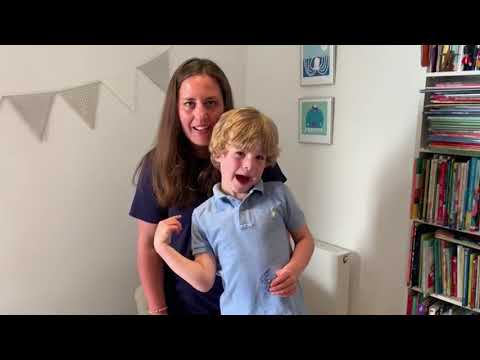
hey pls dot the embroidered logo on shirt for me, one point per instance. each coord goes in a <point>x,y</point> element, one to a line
<point>274,212</point>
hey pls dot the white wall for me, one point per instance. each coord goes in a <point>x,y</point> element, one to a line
<point>67,245</point>
<point>355,193</point>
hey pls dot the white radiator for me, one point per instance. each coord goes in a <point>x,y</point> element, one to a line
<point>325,280</point>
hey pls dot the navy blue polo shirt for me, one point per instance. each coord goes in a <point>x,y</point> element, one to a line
<point>182,298</point>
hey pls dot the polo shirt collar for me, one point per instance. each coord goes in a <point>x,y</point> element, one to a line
<point>220,196</point>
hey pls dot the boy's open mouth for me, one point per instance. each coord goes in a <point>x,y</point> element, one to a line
<point>242,179</point>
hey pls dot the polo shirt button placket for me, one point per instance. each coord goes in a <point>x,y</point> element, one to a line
<point>243,219</point>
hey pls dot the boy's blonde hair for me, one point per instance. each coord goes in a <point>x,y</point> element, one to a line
<point>244,128</point>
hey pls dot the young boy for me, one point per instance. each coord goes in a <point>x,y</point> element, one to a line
<point>243,231</point>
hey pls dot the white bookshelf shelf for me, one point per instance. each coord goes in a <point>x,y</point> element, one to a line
<point>453,73</point>
<point>460,242</point>
<point>469,153</point>
<point>448,299</point>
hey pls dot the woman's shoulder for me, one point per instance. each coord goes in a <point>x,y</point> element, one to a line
<point>275,188</point>
<point>144,205</point>
<point>273,173</point>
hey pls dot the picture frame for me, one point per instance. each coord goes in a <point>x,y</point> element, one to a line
<point>315,116</point>
<point>317,64</point>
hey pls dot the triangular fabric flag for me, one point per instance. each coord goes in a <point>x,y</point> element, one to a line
<point>157,70</point>
<point>34,109</point>
<point>84,100</point>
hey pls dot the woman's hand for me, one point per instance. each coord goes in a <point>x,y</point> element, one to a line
<point>285,284</point>
<point>164,230</point>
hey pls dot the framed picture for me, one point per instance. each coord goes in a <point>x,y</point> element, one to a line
<point>317,64</point>
<point>315,120</point>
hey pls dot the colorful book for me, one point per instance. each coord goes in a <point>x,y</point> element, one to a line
<point>469,193</point>
<point>441,191</point>
<point>448,268</point>
<point>413,234</point>
<point>428,270</point>
<point>409,303</point>
<point>470,278</point>
<point>423,215</point>
<point>477,295</point>
<point>453,291</point>
<point>413,205</point>
<point>437,266</point>
<point>414,304</point>
<point>466,269</point>
<point>474,280</point>
<point>459,272</point>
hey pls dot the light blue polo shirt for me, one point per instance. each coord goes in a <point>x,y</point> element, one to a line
<point>250,240</point>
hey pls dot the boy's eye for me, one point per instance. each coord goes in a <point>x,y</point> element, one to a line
<point>260,157</point>
<point>239,154</point>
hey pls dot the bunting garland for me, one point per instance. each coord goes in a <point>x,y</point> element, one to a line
<point>35,109</point>
<point>152,70</point>
<point>84,100</point>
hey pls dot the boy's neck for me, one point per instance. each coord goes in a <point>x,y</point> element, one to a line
<point>238,196</point>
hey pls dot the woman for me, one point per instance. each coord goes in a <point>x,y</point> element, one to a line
<point>176,176</point>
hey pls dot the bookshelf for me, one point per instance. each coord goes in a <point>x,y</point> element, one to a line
<point>444,255</point>
<point>453,73</point>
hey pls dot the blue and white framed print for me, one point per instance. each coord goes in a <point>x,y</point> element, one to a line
<point>315,120</point>
<point>317,64</point>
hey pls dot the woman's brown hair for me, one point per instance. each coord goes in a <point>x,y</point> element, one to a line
<point>178,177</point>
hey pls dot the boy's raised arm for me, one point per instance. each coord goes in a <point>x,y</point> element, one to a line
<point>200,273</point>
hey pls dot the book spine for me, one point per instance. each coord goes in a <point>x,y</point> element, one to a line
<point>459,272</point>
<point>433,190</point>
<point>475,215</point>
<point>413,233</point>
<point>444,269</point>
<point>437,266</point>
<point>413,205</point>
<point>423,215</point>
<point>425,60</point>
<point>463,180</point>
<point>448,273</point>
<point>466,268</point>
<point>469,203</point>
<point>458,174</point>
<point>460,57</point>
<point>416,259</point>
<point>470,278</point>
<point>454,276</point>
<point>452,212</point>
<point>409,303</point>
<point>441,192</point>
<point>448,195</point>
<point>414,304</point>
<point>474,280</point>
<point>477,296</point>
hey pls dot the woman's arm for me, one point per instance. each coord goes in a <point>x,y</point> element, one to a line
<point>150,268</point>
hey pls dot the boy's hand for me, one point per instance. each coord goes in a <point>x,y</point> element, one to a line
<point>285,284</point>
<point>164,231</point>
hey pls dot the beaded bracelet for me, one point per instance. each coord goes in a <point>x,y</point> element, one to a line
<point>158,311</point>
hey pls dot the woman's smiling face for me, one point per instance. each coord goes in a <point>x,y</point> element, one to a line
<point>200,104</point>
